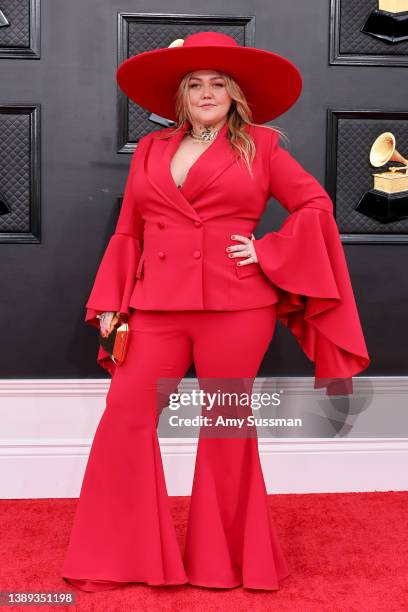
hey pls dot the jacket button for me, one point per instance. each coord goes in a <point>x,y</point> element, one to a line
<point>197,223</point>
<point>160,224</point>
<point>197,254</point>
<point>161,254</point>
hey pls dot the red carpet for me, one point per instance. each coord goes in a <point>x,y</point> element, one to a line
<point>347,552</point>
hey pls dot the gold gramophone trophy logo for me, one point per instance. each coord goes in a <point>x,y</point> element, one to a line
<point>388,22</point>
<point>4,22</point>
<point>388,200</point>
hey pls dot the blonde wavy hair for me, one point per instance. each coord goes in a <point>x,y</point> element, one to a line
<point>238,117</point>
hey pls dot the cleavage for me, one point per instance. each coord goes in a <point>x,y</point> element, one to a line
<point>181,163</point>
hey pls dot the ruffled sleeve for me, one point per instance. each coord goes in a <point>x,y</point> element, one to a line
<point>115,277</point>
<point>306,263</point>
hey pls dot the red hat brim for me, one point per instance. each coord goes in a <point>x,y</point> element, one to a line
<point>270,82</point>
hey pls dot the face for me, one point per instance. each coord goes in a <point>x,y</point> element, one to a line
<point>209,100</point>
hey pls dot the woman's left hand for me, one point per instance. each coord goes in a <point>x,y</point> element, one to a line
<point>245,249</point>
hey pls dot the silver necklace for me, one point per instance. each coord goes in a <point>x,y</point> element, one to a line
<point>206,135</point>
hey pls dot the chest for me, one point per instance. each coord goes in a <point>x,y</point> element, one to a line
<point>184,158</point>
<point>215,181</point>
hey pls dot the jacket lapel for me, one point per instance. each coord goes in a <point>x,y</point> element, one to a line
<point>207,168</point>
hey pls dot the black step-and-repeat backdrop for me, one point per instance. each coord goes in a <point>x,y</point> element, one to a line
<point>67,133</point>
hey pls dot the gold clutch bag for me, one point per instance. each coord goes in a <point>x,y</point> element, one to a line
<point>116,343</point>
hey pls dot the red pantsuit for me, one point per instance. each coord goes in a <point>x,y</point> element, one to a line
<point>166,267</point>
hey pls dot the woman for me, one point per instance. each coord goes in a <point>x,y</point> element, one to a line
<point>185,270</point>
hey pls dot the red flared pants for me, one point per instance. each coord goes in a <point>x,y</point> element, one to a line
<point>123,530</point>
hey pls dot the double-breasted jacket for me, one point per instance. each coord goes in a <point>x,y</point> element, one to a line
<point>168,251</point>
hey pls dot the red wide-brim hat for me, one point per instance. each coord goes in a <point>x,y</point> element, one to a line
<point>271,83</point>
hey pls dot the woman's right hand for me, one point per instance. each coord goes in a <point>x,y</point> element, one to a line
<point>107,321</point>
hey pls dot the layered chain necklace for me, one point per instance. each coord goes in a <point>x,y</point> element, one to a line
<point>206,134</point>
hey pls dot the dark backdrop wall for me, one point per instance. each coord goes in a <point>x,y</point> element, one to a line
<point>44,286</point>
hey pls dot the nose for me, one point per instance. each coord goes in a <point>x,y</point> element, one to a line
<point>207,91</point>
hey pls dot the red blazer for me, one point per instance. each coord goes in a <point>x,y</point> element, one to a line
<point>168,249</point>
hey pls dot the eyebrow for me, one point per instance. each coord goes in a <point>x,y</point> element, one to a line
<point>200,79</point>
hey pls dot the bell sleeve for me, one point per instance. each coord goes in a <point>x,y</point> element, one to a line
<point>305,262</point>
<point>115,277</point>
